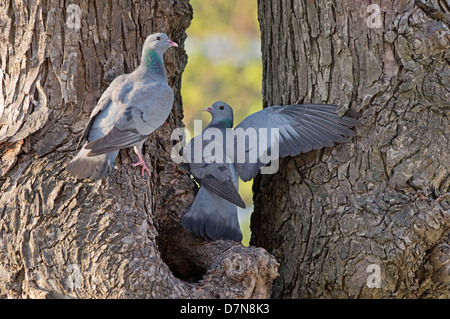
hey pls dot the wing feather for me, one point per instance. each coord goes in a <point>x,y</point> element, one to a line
<point>302,128</point>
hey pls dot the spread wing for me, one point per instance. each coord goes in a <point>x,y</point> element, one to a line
<point>301,128</point>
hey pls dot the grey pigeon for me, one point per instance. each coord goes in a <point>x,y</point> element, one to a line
<point>131,108</point>
<point>301,127</point>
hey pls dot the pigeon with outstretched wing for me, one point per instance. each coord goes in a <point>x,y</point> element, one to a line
<point>299,128</point>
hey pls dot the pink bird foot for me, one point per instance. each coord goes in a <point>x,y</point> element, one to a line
<point>141,162</point>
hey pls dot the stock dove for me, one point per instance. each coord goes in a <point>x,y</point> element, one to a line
<point>291,129</point>
<point>131,108</point>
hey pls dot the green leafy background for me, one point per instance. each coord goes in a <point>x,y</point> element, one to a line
<point>224,64</point>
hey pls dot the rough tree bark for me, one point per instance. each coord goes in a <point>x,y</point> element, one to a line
<point>374,208</point>
<point>119,237</point>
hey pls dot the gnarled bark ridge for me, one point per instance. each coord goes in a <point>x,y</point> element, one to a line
<point>368,218</point>
<point>115,238</point>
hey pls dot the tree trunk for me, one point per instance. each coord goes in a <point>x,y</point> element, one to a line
<point>118,237</point>
<point>368,218</point>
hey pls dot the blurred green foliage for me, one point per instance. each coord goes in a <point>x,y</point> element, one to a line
<point>224,63</point>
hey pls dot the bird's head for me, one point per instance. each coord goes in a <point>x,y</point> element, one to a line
<point>221,112</point>
<point>158,42</point>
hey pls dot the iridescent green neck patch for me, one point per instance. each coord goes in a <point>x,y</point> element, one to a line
<point>153,62</point>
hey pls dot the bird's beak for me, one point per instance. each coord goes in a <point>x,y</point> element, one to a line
<point>172,43</point>
<point>208,109</point>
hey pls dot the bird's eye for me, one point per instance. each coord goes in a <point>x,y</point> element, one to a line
<point>158,38</point>
<point>221,107</point>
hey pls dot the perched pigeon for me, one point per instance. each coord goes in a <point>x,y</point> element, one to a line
<point>216,166</point>
<point>131,108</point>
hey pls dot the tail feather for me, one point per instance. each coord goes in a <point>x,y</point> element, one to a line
<point>93,167</point>
<point>212,217</point>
